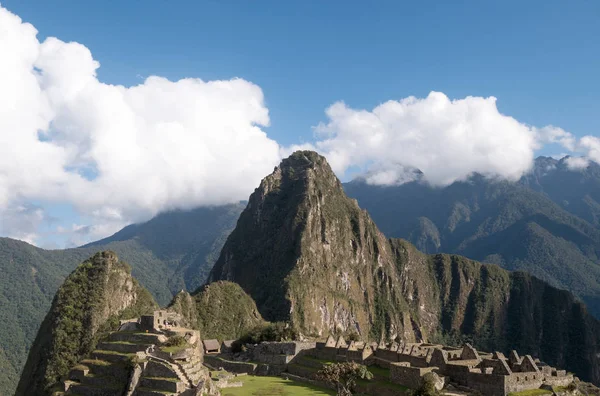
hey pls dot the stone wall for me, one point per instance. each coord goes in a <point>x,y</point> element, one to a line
<point>231,366</point>
<point>416,361</point>
<point>563,380</point>
<point>157,369</point>
<point>488,384</point>
<point>411,377</point>
<point>386,354</point>
<point>518,382</point>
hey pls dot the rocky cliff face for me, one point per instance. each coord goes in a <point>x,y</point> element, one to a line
<point>308,254</point>
<point>89,303</point>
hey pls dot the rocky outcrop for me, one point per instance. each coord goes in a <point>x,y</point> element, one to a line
<point>308,254</point>
<point>91,301</point>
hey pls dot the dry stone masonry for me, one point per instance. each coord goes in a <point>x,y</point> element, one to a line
<point>140,356</point>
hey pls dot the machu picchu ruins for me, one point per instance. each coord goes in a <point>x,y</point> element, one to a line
<point>148,356</point>
<point>465,369</point>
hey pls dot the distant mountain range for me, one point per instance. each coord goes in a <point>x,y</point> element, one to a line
<point>546,224</point>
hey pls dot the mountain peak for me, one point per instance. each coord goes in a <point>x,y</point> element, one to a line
<point>302,166</point>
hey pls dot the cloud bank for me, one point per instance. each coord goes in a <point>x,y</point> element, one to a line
<point>115,152</point>
<point>122,154</point>
<point>448,140</point>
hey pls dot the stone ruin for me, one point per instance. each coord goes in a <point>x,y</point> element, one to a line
<point>137,360</point>
<point>490,374</point>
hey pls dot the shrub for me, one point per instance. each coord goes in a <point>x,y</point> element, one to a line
<point>343,376</point>
<point>279,331</point>
<point>175,341</point>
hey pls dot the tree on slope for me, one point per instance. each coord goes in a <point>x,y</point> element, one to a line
<point>343,376</point>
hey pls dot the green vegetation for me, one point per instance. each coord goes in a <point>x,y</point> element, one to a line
<point>81,314</point>
<point>171,252</point>
<point>225,311</point>
<point>274,386</point>
<point>344,376</point>
<point>531,392</point>
<point>531,226</point>
<point>427,388</point>
<point>269,332</point>
<point>175,344</point>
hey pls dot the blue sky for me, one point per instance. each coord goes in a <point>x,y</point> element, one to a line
<point>540,59</point>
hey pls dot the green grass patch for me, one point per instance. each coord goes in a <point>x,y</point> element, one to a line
<point>175,348</point>
<point>96,362</point>
<point>314,359</point>
<point>379,373</point>
<point>273,386</point>
<point>170,379</point>
<point>531,392</point>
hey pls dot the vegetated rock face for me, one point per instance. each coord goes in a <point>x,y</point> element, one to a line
<point>545,224</point>
<point>225,311</point>
<point>89,303</point>
<point>308,254</point>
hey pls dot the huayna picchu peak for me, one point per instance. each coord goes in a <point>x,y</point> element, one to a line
<point>309,255</point>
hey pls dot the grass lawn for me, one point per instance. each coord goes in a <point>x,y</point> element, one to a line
<point>273,386</point>
<point>531,392</point>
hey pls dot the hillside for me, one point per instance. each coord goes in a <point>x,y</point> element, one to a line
<point>308,254</point>
<point>577,191</point>
<point>89,303</point>
<point>181,247</point>
<point>225,311</point>
<point>509,224</point>
<point>171,252</point>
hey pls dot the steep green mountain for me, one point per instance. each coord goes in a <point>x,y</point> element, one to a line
<point>509,224</point>
<point>306,253</point>
<point>30,277</point>
<point>225,311</point>
<point>90,302</point>
<point>171,252</point>
<point>577,191</point>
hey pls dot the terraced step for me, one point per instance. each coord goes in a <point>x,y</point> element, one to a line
<point>152,392</point>
<point>99,367</point>
<point>137,337</point>
<point>111,356</point>
<point>162,384</point>
<point>123,346</point>
<point>99,381</point>
<point>91,390</point>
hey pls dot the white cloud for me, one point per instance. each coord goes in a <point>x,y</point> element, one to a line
<point>22,221</point>
<point>446,139</point>
<point>121,153</point>
<point>577,163</point>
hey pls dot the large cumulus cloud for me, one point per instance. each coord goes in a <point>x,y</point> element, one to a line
<point>115,152</point>
<point>448,140</point>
